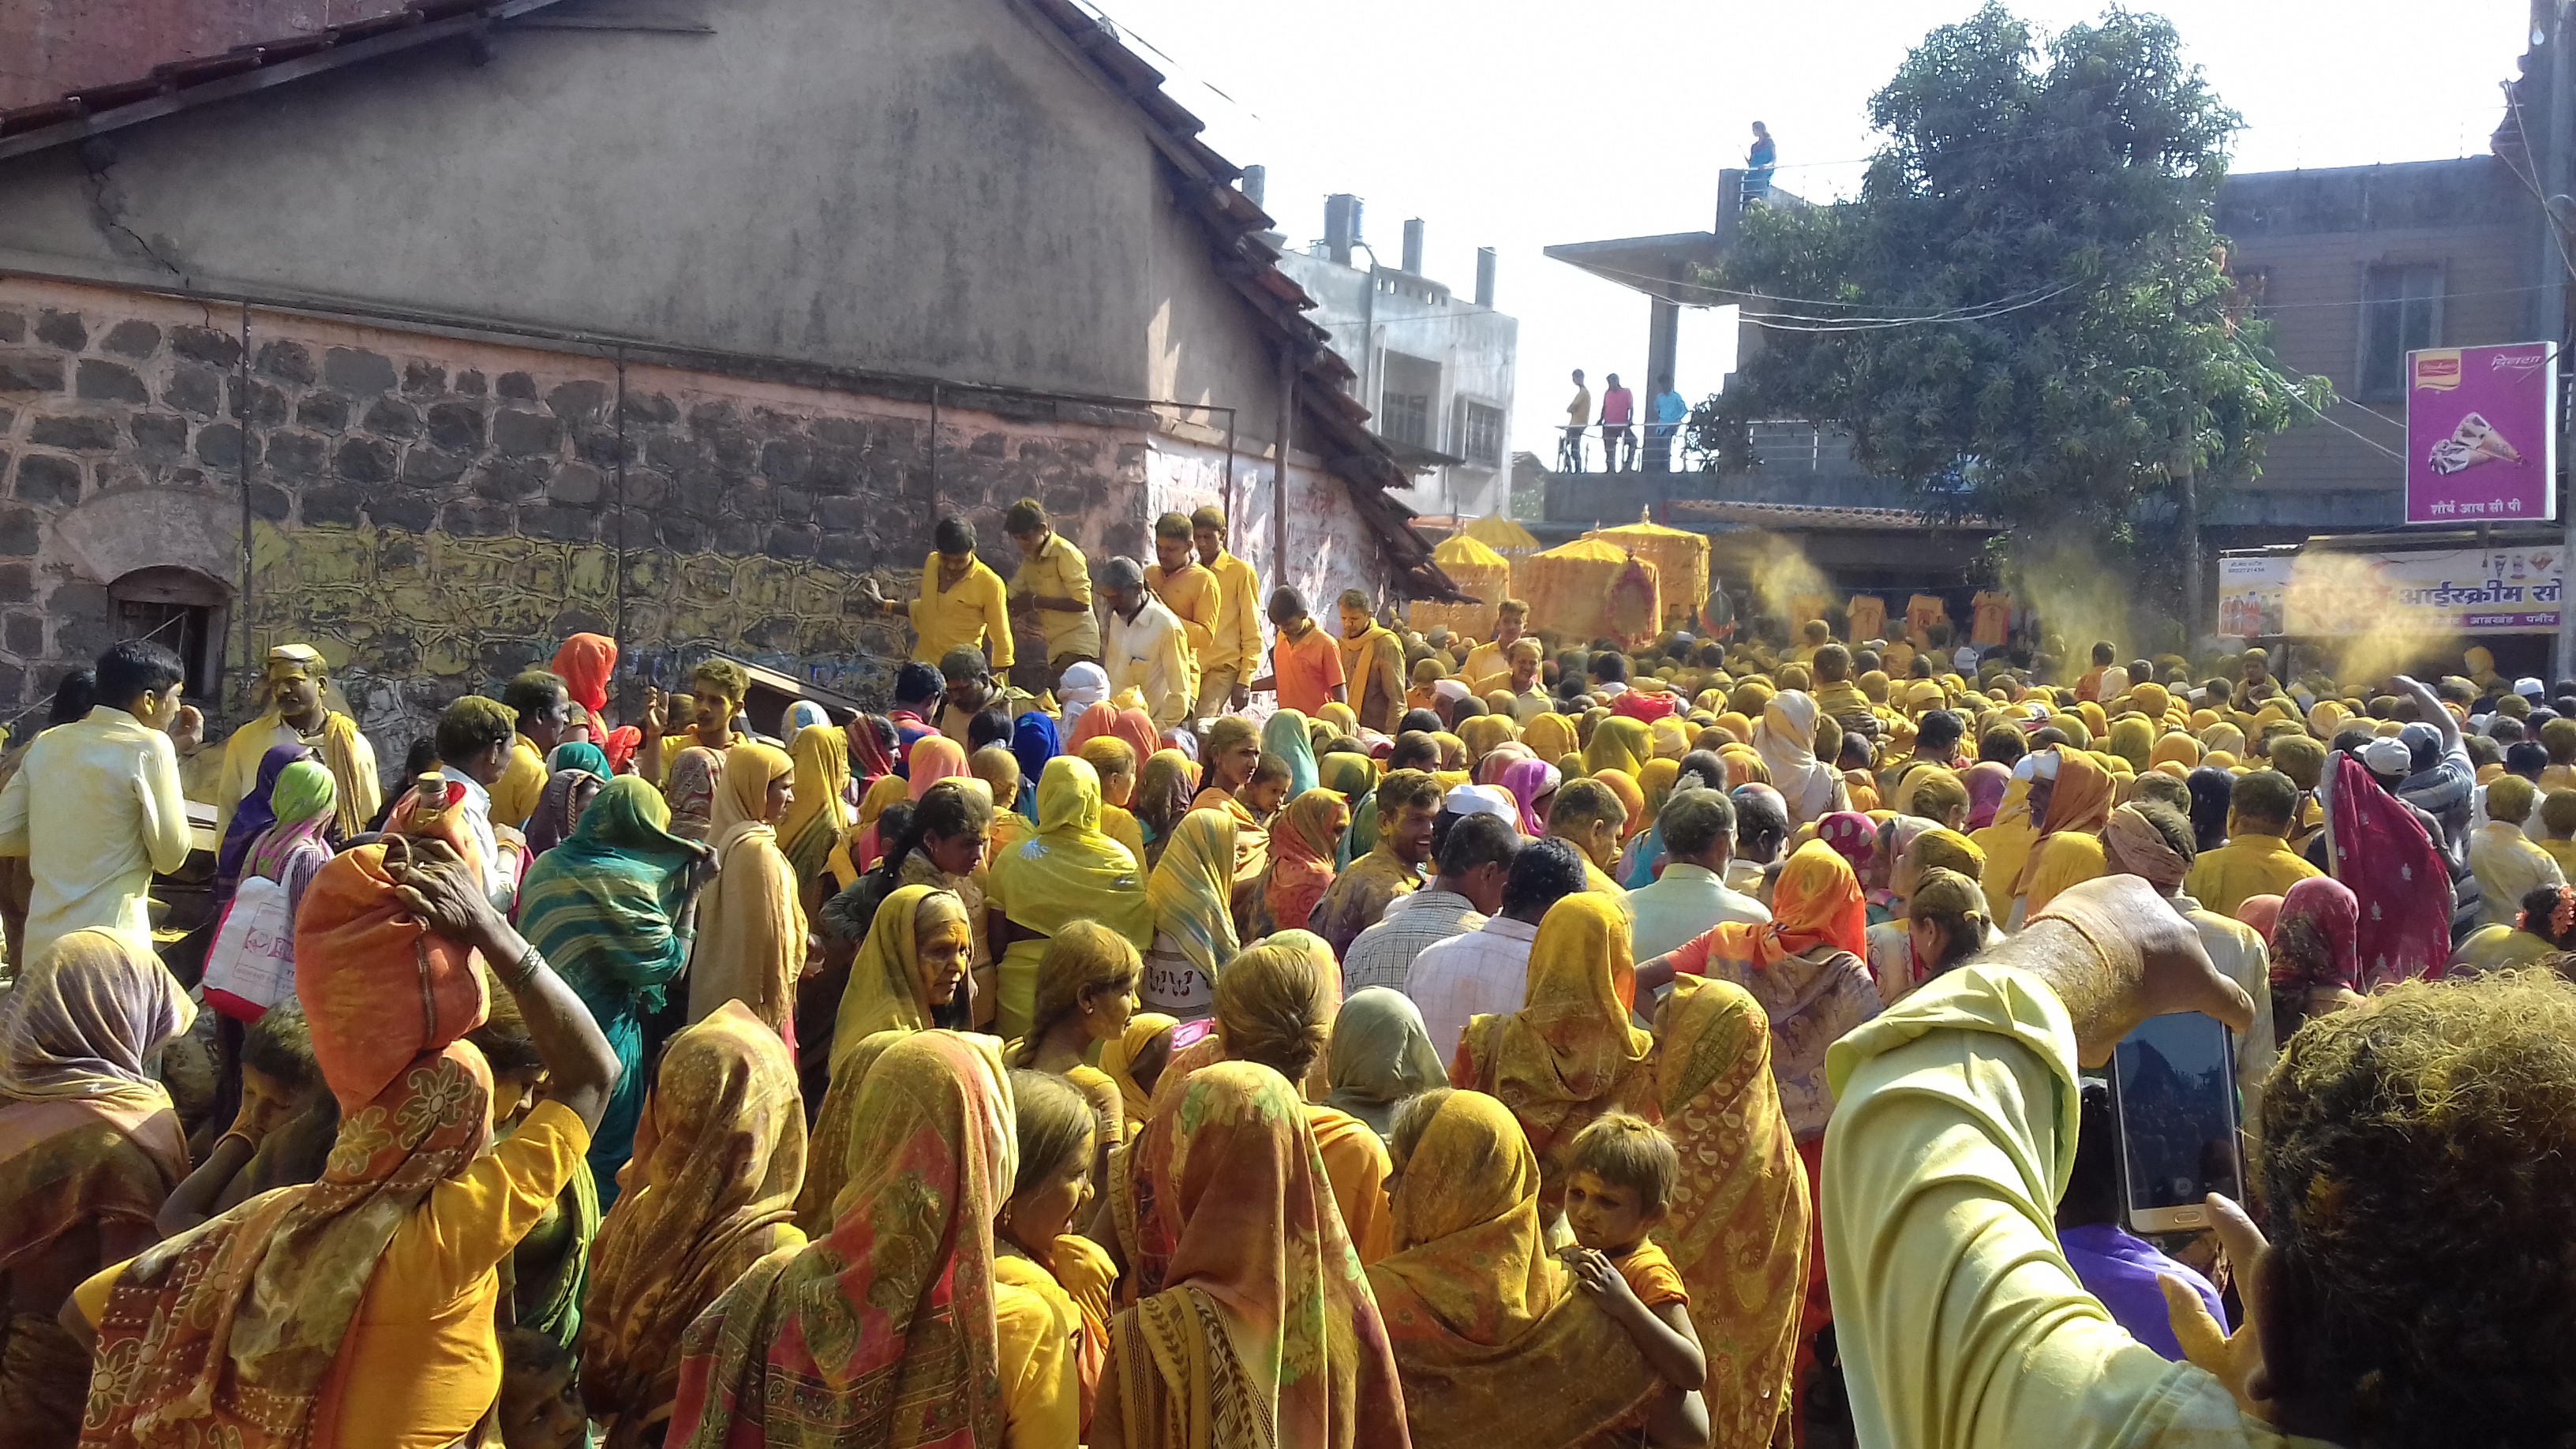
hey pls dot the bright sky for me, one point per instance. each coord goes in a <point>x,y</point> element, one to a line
<point>1516,125</point>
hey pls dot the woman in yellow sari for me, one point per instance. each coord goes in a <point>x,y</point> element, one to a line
<point>1135,1062</point>
<point>1619,743</point>
<point>1114,761</point>
<point>711,1190</point>
<point>894,1329</point>
<point>1065,871</point>
<point>1492,1342</point>
<point>1163,789</point>
<point>1191,892</point>
<point>1550,736</point>
<point>1737,1225</point>
<point>818,817</point>
<point>1256,1332</point>
<point>751,930</point>
<point>1568,1055</point>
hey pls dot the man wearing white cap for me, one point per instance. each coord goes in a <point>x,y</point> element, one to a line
<point>298,687</point>
<point>1472,863</point>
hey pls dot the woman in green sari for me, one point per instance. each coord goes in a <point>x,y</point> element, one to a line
<point>605,908</point>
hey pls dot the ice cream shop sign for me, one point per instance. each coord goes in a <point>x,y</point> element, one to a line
<point>2482,434</point>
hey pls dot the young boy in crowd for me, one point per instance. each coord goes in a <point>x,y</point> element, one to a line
<point>1622,1181</point>
<point>1268,788</point>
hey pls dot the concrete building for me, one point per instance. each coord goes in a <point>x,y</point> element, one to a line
<point>434,335</point>
<point>1434,368</point>
<point>2353,267</point>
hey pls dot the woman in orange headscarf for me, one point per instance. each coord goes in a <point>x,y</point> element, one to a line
<point>1303,841</point>
<point>1493,1343</point>
<point>358,1309</point>
<point>751,928</point>
<point>1256,1329</point>
<point>585,664</point>
<point>1738,1223</point>
<point>1569,1054</point>
<point>2078,800</point>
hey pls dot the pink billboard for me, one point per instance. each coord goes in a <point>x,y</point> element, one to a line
<point>2482,434</point>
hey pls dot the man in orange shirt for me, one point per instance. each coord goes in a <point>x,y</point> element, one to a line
<point>1186,589</point>
<point>1305,662</point>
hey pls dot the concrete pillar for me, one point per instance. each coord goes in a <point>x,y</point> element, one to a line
<point>1413,246</point>
<point>1484,276</point>
<point>1663,340</point>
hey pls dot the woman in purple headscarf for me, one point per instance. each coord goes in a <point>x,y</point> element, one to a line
<point>252,816</point>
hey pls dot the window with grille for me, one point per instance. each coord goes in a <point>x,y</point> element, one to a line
<point>1480,433</point>
<point>2401,311</point>
<point>1411,386</point>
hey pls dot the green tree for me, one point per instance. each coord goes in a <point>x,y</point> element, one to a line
<point>2025,314</point>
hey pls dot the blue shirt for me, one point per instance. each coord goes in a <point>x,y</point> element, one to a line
<point>1669,407</point>
<point>2122,1272</point>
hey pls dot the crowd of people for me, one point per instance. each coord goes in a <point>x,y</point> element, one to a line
<point>1370,1039</point>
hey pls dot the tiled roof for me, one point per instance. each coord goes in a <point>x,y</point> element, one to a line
<point>1202,181</point>
<point>1817,516</point>
<point>179,84</point>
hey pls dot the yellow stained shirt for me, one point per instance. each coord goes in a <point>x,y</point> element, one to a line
<point>1040,1338</point>
<point>1960,1324</point>
<point>2247,865</point>
<point>1373,673</point>
<point>1191,595</point>
<point>521,786</point>
<point>1060,572</point>
<point>2561,851</point>
<point>422,1361</point>
<point>974,614</point>
<point>1236,637</point>
<point>2508,867</point>
<point>1120,824</point>
<point>1488,668</point>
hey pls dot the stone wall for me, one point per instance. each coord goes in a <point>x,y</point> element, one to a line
<point>435,513</point>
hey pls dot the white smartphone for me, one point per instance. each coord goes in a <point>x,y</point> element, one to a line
<point>2173,1085</point>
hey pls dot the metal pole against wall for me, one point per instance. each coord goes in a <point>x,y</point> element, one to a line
<point>2553,285</point>
<point>241,426</point>
<point>934,453</point>
<point>1279,474</point>
<point>618,561</point>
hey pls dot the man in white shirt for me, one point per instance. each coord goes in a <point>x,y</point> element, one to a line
<point>1486,971</point>
<point>1145,647</point>
<point>1473,863</point>
<point>1691,895</point>
<point>1761,832</point>
<point>96,808</point>
<point>474,742</point>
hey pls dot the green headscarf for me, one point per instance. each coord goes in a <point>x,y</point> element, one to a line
<point>303,790</point>
<point>1287,737</point>
<point>580,755</point>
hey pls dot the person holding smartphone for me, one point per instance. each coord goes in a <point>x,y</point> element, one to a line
<point>2433,1112</point>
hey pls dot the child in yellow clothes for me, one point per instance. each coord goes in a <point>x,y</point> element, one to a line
<point>1622,1178</point>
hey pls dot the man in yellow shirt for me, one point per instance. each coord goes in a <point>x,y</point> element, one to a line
<point>962,602</point>
<point>1372,665</point>
<point>539,700</point>
<point>1489,665</point>
<point>1186,589</point>
<point>297,684</point>
<point>1051,593</point>
<point>2257,859</point>
<point>1233,655</point>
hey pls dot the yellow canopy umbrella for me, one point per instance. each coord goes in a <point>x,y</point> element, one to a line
<point>1478,571</point>
<point>1502,535</point>
<point>1589,589</point>
<point>1680,559</point>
